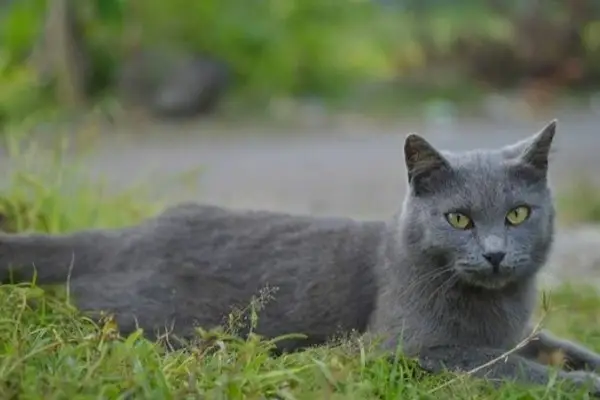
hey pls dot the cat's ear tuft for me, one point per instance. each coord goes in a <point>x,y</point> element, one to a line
<point>537,152</point>
<point>423,161</point>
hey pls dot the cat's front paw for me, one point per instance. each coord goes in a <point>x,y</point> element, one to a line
<point>585,380</point>
<point>592,362</point>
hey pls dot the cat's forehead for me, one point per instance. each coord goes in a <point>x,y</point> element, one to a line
<point>477,162</point>
<point>481,180</point>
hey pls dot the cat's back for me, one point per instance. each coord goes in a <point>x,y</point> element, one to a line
<point>226,223</point>
<point>258,242</point>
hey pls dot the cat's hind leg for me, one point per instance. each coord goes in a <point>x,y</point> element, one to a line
<point>549,349</point>
<point>495,366</point>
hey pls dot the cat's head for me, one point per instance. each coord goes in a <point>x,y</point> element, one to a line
<point>487,215</point>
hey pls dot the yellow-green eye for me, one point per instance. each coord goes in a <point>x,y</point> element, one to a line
<point>459,221</point>
<point>518,215</point>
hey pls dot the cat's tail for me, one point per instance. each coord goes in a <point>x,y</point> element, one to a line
<point>50,259</point>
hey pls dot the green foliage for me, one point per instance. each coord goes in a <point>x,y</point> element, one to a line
<point>591,42</point>
<point>281,46</point>
<point>43,194</point>
<point>305,47</point>
<point>21,94</point>
<point>272,47</point>
<point>20,26</point>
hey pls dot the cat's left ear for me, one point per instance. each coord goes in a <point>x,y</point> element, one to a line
<point>535,151</point>
<point>423,164</point>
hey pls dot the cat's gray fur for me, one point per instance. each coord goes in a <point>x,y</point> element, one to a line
<point>414,280</point>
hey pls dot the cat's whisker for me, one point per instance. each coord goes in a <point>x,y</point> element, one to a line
<point>431,286</point>
<point>425,284</point>
<point>429,276</point>
<point>443,288</point>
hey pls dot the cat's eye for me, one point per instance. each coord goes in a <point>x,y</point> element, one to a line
<point>459,220</point>
<point>518,215</point>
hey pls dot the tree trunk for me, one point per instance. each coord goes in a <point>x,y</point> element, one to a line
<point>60,56</point>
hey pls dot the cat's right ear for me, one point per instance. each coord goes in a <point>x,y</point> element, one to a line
<point>423,163</point>
<point>531,155</point>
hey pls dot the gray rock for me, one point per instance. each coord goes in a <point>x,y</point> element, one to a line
<point>171,84</point>
<point>140,75</point>
<point>193,87</point>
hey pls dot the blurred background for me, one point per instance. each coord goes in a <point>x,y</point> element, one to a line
<point>300,104</point>
<point>303,105</point>
<point>394,57</point>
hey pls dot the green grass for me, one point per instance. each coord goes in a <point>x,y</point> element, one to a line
<point>580,202</point>
<point>50,351</point>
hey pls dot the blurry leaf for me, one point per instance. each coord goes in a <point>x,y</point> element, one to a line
<point>109,9</point>
<point>20,26</point>
<point>591,36</point>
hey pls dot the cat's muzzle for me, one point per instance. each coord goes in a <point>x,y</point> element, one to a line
<point>488,276</point>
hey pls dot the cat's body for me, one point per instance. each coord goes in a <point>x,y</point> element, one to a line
<point>193,264</point>
<point>451,278</point>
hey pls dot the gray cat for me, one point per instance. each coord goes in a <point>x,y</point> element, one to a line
<point>451,278</point>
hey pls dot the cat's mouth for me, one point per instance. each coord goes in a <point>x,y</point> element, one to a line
<point>487,278</point>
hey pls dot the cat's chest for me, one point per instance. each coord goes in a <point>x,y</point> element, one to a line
<point>472,321</point>
<point>488,322</point>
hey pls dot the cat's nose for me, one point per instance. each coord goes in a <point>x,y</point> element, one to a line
<point>495,258</point>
